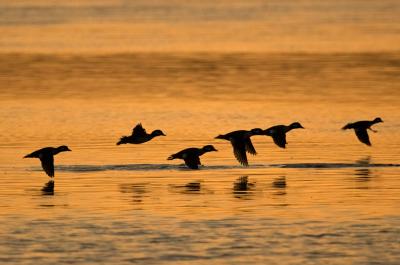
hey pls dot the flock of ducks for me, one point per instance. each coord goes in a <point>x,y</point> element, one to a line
<point>240,141</point>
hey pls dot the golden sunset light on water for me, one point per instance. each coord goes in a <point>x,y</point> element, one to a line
<point>211,132</point>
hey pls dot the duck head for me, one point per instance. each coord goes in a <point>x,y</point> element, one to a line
<point>376,120</point>
<point>256,131</point>
<point>63,148</point>
<point>296,125</point>
<point>157,133</point>
<point>209,148</point>
<point>222,136</point>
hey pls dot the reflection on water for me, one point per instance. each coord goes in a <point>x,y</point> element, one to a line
<point>48,188</point>
<point>330,78</point>
<point>363,174</point>
<point>279,184</point>
<point>188,188</point>
<point>193,186</point>
<point>243,188</point>
<point>365,161</point>
<point>137,190</point>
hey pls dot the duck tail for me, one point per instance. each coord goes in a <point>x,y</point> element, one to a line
<point>347,126</point>
<point>122,140</point>
<point>28,156</point>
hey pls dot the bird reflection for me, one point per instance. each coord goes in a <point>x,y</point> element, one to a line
<point>48,188</point>
<point>363,174</point>
<point>137,189</point>
<point>190,187</point>
<point>242,188</point>
<point>364,161</point>
<point>279,184</point>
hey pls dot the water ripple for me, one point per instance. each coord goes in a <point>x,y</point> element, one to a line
<point>156,167</point>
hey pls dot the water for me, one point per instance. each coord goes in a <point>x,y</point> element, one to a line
<point>327,198</point>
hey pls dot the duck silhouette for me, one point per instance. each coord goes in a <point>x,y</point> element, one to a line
<point>191,156</point>
<point>241,143</point>
<point>361,127</point>
<point>139,136</point>
<point>278,133</point>
<point>46,156</point>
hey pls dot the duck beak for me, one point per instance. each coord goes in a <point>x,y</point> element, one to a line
<point>69,149</point>
<point>163,134</point>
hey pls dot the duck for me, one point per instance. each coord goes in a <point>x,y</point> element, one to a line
<point>241,143</point>
<point>139,136</point>
<point>361,127</point>
<point>278,133</point>
<point>191,156</point>
<point>46,156</point>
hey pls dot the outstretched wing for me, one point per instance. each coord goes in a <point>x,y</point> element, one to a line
<point>48,164</point>
<point>139,130</point>
<point>279,139</point>
<point>249,147</point>
<point>362,135</point>
<point>239,150</point>
<point>192,161</point>
<point>37,153</point>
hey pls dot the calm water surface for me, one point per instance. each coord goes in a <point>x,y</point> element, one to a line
<point>325,199</point>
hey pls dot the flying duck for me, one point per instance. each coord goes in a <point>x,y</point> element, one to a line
<point>241,143</point>
<point>278,133</point>
<point>46,156</point>
<point>360,128</point>
<point>191,156</point>
<point>139,136</point>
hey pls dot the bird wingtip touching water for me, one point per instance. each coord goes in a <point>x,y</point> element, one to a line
<point>191,156</point>
<point>241,143</point>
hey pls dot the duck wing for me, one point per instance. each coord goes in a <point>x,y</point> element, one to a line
<point>249,146</point>
<point>33,154</point>
<point>363,136</point>
<point>48,164</point>
<point>139,131</point>
<point>38,153</point>
<point>279,139</point>
<point>239,150</point>
<point>192,161</point>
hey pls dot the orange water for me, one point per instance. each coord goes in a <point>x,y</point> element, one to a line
<point>326,197</point>
<point>84,73</point>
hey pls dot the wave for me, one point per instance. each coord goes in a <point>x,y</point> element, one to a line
<point>156,167</point>
<point>333,165</point>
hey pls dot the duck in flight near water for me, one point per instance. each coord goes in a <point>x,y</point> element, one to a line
<point>278,133</point>
<point>46,156</point>
<point>360,128</point>
<point>241,143</point>
<point>139,136</point>
<point>191,156</point>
